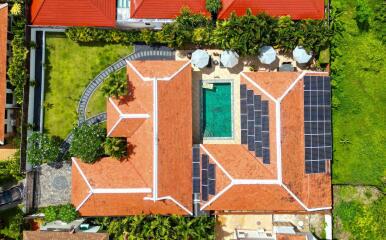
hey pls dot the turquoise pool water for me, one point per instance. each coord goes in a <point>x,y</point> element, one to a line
<point>216,119</point>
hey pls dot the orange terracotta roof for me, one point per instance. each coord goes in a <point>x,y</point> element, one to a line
<point>297,9</point>
<point>3,65</point>
<point>313,189</point>
<point>164,9</point>
<point>283,236</point>
<point>47,235</point>
<point>109,177</point>
<point>256,198</point>
<point>95,13</point>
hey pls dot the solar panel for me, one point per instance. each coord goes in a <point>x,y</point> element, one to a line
<point>317,123</point>
<point>212,171</point>
<point>265,123</point>
<point>266,158</point>
<point>244,137</point>
<point>251,143</point>
<point>196,185</point>
<point>212,187</point>
<point>257,102</point>
<point>251,128</point>
<point>196,154</point>
<point>204,177</point>
<point>243,106</point>
<point>249,97</point>
<point>196,169</point>
<point>251,112</point>
<point>204,160</point>
<point>243,91</point>
<point>243,121</point>
<point>259,149</point>
<point>204,193</point>
<point>264,107</point>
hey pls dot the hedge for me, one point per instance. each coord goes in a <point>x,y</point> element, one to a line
<point>244,34</point>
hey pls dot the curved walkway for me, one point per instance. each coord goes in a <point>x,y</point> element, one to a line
<point>97,81</point>
<point>141,52</point>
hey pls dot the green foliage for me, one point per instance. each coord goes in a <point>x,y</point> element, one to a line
<point>16,66</point>
<point>10,169</point>
<point>245,34</point>
<point>115,147</point>
<point>363,14</point>
<point>335,102</point>
<point>42,149</point>
<point>158,227</point>
<point>180,31</point>
<point>11,222</point>
<point>359,77</point>
<point>362,221</point>
<point>380,21</point>
<point>213,6</point>
<point>115,85</point>
<point>66,213</point>
<point>87,143</point>
<point>324,56</point>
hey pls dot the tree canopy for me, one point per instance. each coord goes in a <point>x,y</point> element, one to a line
<point>42,149</point>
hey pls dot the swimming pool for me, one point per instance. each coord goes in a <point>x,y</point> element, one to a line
<point>216,111</point>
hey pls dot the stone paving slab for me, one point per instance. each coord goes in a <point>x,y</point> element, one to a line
<point>53,185</point>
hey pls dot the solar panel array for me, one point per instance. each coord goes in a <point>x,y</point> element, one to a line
<point>317,123</point>
<point>204,183</point>
<point>254,123</point>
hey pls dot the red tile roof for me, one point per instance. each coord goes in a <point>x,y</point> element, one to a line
<point>109,177</point>
<point>3,65</point>
<point>297,9</point>
<point>164,9</point>
<point>97,13</point>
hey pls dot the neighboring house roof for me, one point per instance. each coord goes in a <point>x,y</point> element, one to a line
<point>97,13</point>
<point>3,66</point>
<point>158,104</point>
<point>47,235</point>
<point>155,9</point>
<point>297,9</point>
<point>244,183</point>
<point>283,236</point>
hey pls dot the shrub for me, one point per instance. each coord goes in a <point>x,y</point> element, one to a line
<point>115,147</point>
<point>380,21</point>
<point>201,36</point>
<point>11,223</point>
<point>16,9</point>
<point>115,85</point>
<point>213,6</point>
<point>335,102</point>
<point>42,149</point>
<point>87,143</point>
<point>10,169</point>
<point>284,34</point>
<point>66,213</point>
<point>50,213</point>
<point>363,14</point>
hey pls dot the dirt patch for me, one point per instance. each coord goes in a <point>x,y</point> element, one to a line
<point>363,194</point>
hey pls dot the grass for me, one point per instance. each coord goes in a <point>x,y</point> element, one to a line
<point>359,74</point>
<point>69,69</point>
<point>358,218</point>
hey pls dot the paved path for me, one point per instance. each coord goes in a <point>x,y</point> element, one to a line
<point>141,52</point>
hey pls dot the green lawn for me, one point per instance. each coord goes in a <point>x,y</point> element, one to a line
<point>69,69</point>
<point>359,71</point>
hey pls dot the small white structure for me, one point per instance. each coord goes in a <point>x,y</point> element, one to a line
<point>200,58</point>
<point>229,59</point>
<point>267,55</point>
<point>300,55</point>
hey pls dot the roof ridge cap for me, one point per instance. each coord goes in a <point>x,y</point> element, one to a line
<point>136,9</point>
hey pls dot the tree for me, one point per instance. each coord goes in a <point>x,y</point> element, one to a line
<point>115,85</point>
<point>42,149</point>
<point>87,143</point>
<point>66,213</point>
<point>115,147</point>
<point>363,14</point>
<point>285,34</point>
<point>213,6</point>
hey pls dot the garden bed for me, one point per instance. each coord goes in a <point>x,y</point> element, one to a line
<point>69,68</point>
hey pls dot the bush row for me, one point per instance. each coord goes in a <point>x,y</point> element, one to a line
<point>16,66</point>
<point>244,34</point>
